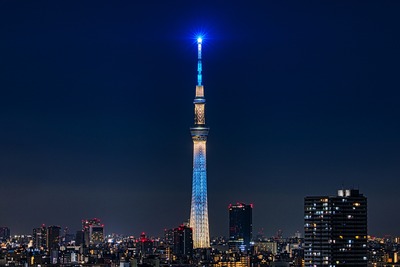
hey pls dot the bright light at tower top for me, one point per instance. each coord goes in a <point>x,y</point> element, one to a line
<point>199,39</point>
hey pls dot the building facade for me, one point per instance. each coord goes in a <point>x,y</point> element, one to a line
<point>93,232</point>
<point>199,205</point>
<point>39,237</point>
<point>335,229</point>
<point>183,242</point>
<point>53,237</point>
<point>4,233</point>
<point>240,226</point>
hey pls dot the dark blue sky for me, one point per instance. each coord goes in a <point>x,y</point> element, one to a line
<point>96,105</point>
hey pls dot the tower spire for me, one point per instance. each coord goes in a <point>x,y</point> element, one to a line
<point>199,66</point>
<point>199,206</point>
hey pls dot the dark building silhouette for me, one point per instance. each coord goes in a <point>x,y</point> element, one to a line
<point>183,241</point>
<point>67,237</point>
<point>79,238</point>
<point>4,233</point>
<point>335,229</point>
<point>240,226</point>
<point>53,237</point>
<point>169,237</point>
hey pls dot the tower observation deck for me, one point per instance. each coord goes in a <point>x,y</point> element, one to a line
<point>199,132</point>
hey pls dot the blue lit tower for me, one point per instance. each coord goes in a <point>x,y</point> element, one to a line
<point>199,209</point>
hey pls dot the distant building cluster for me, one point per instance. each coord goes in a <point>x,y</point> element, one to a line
<point>335,234</point>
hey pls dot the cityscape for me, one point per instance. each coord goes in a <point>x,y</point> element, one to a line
<point>292,162</point>
<point>335,235</point>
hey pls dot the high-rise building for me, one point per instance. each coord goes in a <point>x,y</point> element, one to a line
<point>199,206</point>
<point>93,232</point>
<point>240,226</point>
<point>183,241</point>
<point>79,238</point>
<point>53,237</point>
<point>39,237</point>
<point>335,229</point>
<point>4,233</point>
<point>96,233</point>
<point>169,237</point>
<point>145,245</point>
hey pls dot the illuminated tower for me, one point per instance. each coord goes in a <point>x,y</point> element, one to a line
<point>199,209</point>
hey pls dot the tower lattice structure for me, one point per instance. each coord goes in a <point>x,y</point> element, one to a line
<point>199,207</point>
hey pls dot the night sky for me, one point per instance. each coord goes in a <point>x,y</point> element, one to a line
<point>97,100</point>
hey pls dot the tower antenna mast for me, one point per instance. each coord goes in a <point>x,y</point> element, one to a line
<point>199,65</point>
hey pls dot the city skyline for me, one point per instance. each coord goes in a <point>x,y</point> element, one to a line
<point>303,100</point>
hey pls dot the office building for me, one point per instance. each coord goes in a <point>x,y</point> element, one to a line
<point>53,237</point>
<point>169,237</point>
<point>335,229</point>
<point>39,237</point>
<point>4,233</point>
<point>199,205</point>
<point>145,245</point>
<point>79,238</point>
<point>240,226</point>
<point>183,241</point>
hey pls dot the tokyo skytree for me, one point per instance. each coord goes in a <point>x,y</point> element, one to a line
<point>199,132</point>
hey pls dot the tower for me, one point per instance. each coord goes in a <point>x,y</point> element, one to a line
<point>240,226</point>
<point>199,132</point>
<point>335,229</point>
